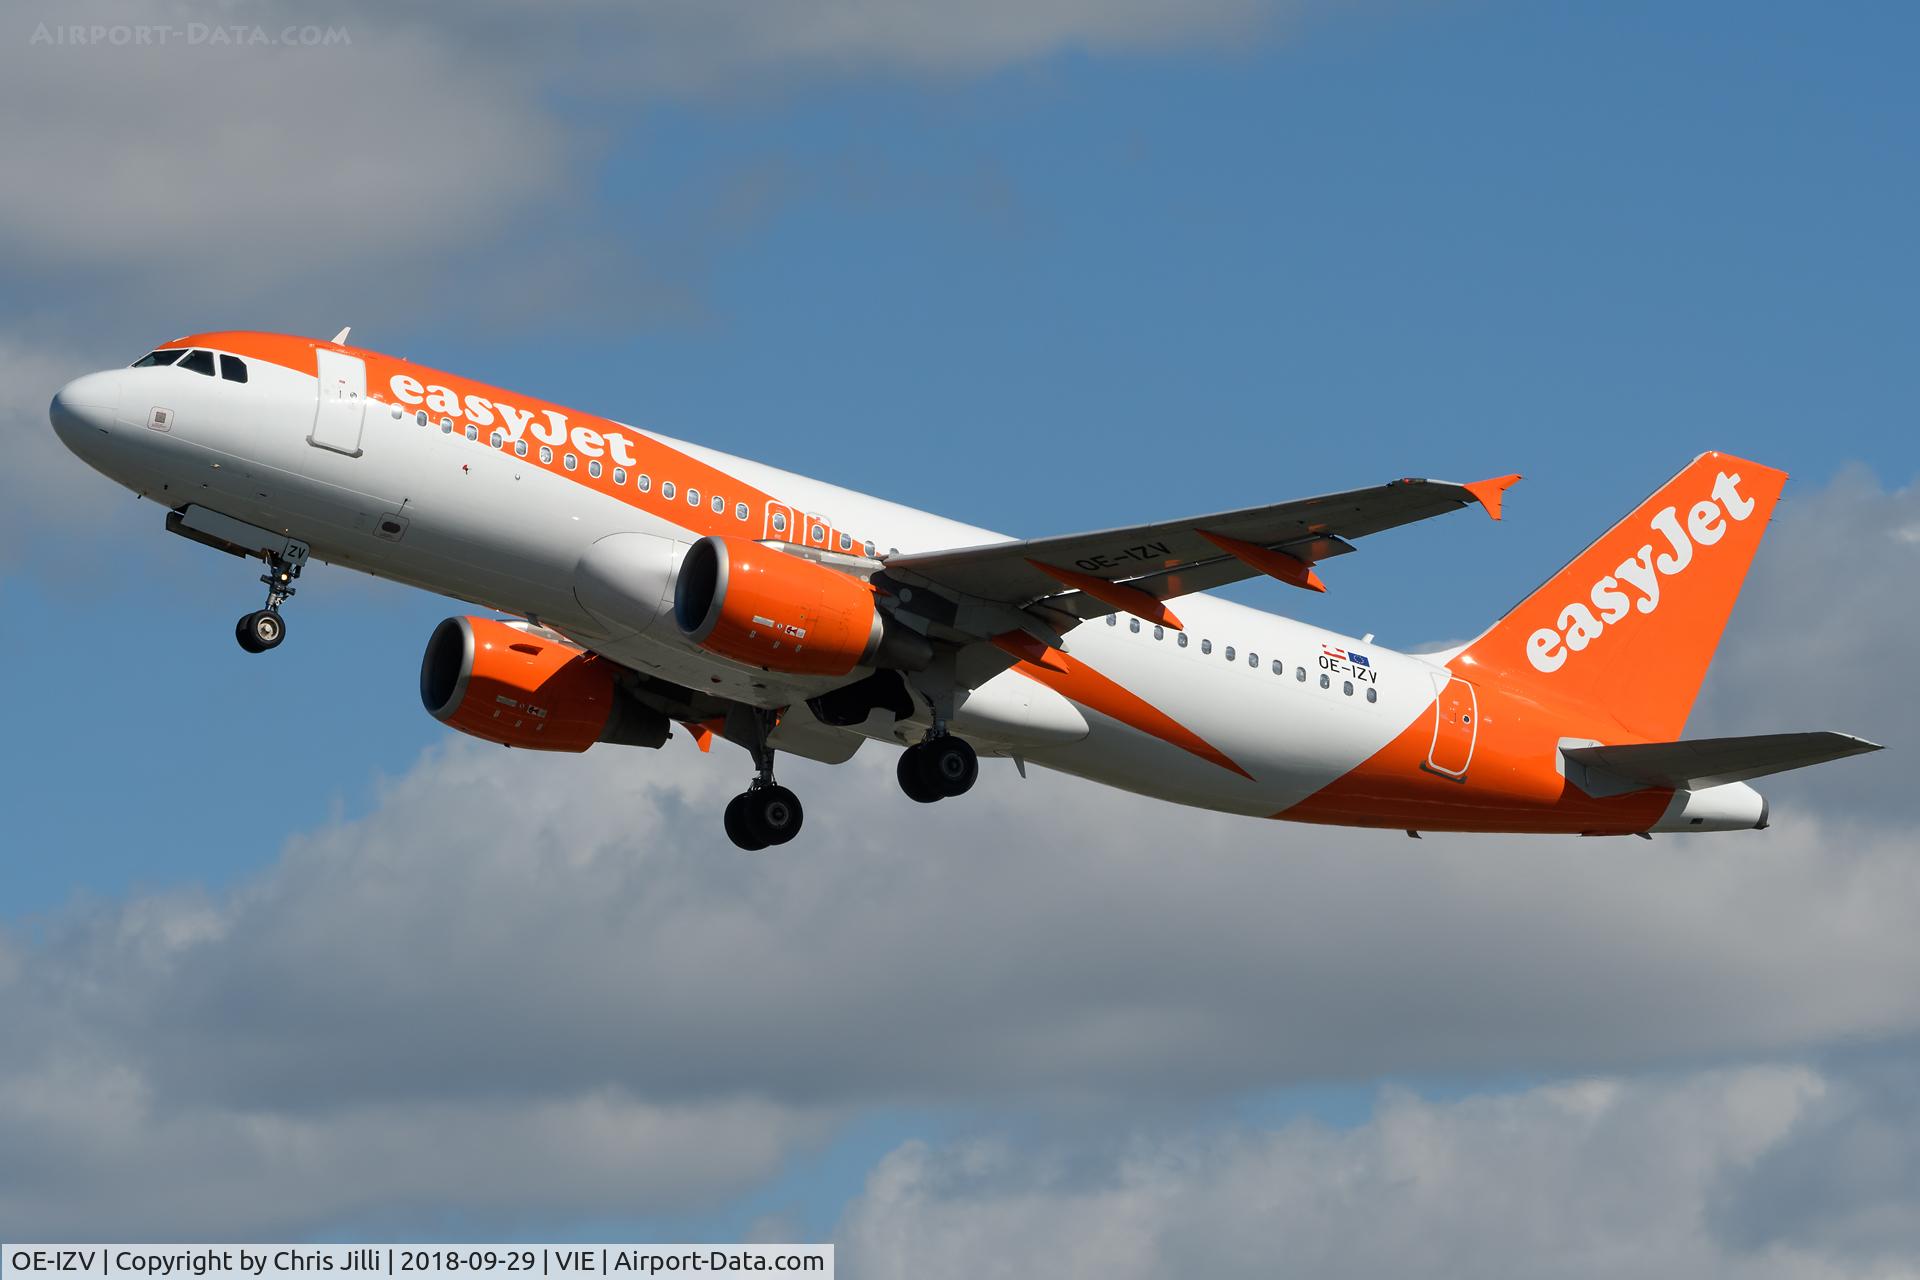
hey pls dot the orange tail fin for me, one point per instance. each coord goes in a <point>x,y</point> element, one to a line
<point>1626,630</point>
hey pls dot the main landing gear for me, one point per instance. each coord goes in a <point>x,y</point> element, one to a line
<point>264,629</point>
<point>938,767</point>
<point>766,813</point>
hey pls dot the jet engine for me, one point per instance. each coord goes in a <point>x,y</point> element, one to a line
<point>522,686</point>
<point>783,612</point>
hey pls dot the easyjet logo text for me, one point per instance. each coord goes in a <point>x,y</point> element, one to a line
<point>549,426</point>
<point>1634,586</point>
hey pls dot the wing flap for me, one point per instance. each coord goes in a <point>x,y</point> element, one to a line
<point>1709,762</point>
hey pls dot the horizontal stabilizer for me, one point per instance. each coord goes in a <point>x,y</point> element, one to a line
<point>1709,762</point>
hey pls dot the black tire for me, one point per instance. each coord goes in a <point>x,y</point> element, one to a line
<point>741,827</point>
<point>952,765</point>
<point>919,785</point>
<point>243,632</point>
<point>266,629</point>
<point>776,813</point>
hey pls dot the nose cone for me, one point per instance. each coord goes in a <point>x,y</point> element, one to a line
<point>85,408</point>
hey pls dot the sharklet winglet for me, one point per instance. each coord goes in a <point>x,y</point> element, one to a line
<point>1488,492</point>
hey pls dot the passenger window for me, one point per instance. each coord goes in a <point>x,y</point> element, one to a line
<point>519,448</point>
<point>1300,674</point>
<point>420,416</point>
<point>820,533</point>
<point>497,439</point>
<point>719,505</point>
<point>846,542</point>
<point>546,453</point>
<point>1159,633</point>
<point>1133,625</point>
<point>233,368</point>
<point>1182,638</point>
<point>1346,687</point>
<point>593,468</point>
<point>1279,667</point>
<point>1229,653</point>
<point>199,362</point>
<point>446,426</point>
<point>740,513</point>
<point>1326,682</point>
<point>1373,694</point>
<point>1113,620</point>
<point>620,475</point>
<point>693,497</point>
<point>666,490</point>
<point>779,522</point>
<point>1206,646</point>
<point>645,482</point>
<point>570,462</point>
<point>155,359</point>
<point>868,549</point>
<point>473,432</point>
<point>1253,659</point>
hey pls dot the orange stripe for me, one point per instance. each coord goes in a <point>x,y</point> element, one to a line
<point>1081,683</point>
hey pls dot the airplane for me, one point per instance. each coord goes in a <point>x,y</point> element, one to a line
<point>649,582</point>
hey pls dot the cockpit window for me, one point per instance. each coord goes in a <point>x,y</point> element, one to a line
<point>199,362</point>
<point>155,358</point>
<point>233,368</point>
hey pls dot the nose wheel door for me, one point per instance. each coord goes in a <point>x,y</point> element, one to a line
<point>1456,727</point>
<point>342,411</point>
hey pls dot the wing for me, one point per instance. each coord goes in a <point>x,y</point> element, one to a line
<point>1133,569</point>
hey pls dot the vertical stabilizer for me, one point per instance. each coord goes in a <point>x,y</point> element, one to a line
<point>1628,627</point>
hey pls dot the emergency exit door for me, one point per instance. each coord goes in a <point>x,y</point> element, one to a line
<point>779,523</point>
<point>1456,726</point>
<point>342,411</point>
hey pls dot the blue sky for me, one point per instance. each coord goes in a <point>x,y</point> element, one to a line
<point>1090,280</point>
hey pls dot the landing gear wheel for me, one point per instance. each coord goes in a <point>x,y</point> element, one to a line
<point>260,631</point>
<point>766,812</point>
<point>951,764</point>
<point>776,813</point>
<point>741,828</point>
<point>913,776</point>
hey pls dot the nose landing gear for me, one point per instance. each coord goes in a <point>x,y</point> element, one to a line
<point>260,630</point>
<point>264,629</point>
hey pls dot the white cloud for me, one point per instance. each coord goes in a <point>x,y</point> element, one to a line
<point>163,188</point>
<point>167,182</point>
<point>92,1150</point>
<point>49,500</point>
<point>1596,1178</point>
<point>1818,641</point>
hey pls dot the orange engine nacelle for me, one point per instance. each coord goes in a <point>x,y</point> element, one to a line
<point>510,684</point>
<point>779,611</point>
